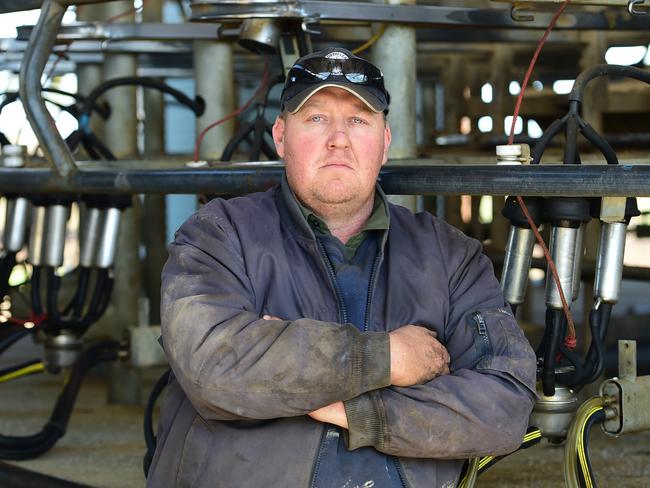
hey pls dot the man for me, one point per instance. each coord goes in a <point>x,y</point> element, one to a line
<point>319,335</point>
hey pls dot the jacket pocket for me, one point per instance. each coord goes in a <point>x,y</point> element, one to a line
<point>194,454</point>
<point>502,347</point>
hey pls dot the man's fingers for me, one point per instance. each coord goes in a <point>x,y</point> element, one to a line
<point>270,317</point>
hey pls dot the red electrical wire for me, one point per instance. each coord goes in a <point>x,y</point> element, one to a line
<point>570,339</point>
<point>130,11</point>
<point>262,85</point>
<point>33,318</point>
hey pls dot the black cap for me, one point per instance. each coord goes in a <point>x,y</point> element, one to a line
<point>334,67</point>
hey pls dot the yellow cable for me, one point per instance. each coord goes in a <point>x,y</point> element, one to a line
<point>370,41</point>
<point>33,368</point>
<point>582,456</point>
<point>487,459</point>
<point>573,438</point>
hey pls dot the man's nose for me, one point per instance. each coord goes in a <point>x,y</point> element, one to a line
<point>339,137</point>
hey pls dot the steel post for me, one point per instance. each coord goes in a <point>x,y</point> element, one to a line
<point>153,222</point>
<point>213,68</point>
<point>120,135</point>
<point>395,54</point>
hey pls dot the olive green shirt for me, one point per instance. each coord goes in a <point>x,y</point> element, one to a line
<point>378,220</point>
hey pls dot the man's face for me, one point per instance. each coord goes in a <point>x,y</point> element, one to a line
<point>333,148</point>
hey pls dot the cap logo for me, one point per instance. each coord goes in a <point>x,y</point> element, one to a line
<point>336,55</point>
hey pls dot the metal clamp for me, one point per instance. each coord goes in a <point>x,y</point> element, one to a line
<point>633,10</point>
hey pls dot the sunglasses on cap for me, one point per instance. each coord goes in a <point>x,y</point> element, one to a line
<point>317,70</point>
<point>362,77</point>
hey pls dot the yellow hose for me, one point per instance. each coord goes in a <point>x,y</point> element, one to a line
<point>370,41</point>
<point>574,439</point>
<point>31,369</point>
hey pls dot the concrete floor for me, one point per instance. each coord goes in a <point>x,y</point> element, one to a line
<point>104,444</point>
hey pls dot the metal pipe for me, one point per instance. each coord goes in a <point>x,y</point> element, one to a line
<point>16,220</point>
<point>35,58</point>
<point>108,242</point>
<point>37,235</point>
<point>540,180</point>
<point>55,220</point>
<point>516,265</point>
<point>562,247</point>
<point>609,264</point>
<point>90,237</point>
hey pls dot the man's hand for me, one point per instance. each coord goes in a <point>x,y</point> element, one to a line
<point>416,356</point>
<point>331,414</point>
<point>270,317</point>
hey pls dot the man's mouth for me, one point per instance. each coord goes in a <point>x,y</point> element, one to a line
<point>337,164</point>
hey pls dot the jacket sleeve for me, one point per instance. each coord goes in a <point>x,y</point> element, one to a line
<point>234,365</point>
<point>483,406</point>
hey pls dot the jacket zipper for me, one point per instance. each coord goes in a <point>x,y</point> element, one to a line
<point>318,457</point>
<point>482,330</point>
<point>371,288</point>
<point>332,276</point>
<point>344,316</point>
<point>400,473</point>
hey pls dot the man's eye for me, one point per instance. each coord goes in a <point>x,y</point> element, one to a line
<point>358,120</point>
<point>316,118</point>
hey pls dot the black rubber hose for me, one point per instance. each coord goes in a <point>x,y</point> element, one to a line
<point>571,141</point>
<point>236,140</point>
<point>52,297</point>
<point>596,418</point>
<point>101,108</point>
<point>605,70</point>
<point>90,140</point>
<point>197,105</point>
<point>7,263</point>
<point>37,305</point>
<point>16,477</point>
<point>576,361</point>
<point>12,338</point>
<point>548,135</point>
<point>595,353</point>
<point>97,299</point>
<point>554,321</point>
<point>603,325</point>
<point>149,435</point>
<point>82,291</point>
<point>31,446</point>
<point>603,146</point>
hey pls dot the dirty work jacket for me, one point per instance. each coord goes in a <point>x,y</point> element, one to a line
<point>235,414</point>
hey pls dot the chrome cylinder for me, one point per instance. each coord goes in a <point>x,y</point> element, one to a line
<point>609,263</point>
<point>37,235</point>
<point>14,156</point>
<point>16,220</point>
<point>260,36</point>
<point>553,414</point>
<point>577,263</point>
<point>108,241</point>
<point>562,248</point>
<point>516,265</point>
<point>90,237</point>
<point>57,216</point>
<point>61,351</point>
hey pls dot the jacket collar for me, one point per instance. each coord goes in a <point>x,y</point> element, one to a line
<point>293,216</point>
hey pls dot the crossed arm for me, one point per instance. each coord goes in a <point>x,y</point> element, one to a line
<point>235,365</point>
<point>416,356</point>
